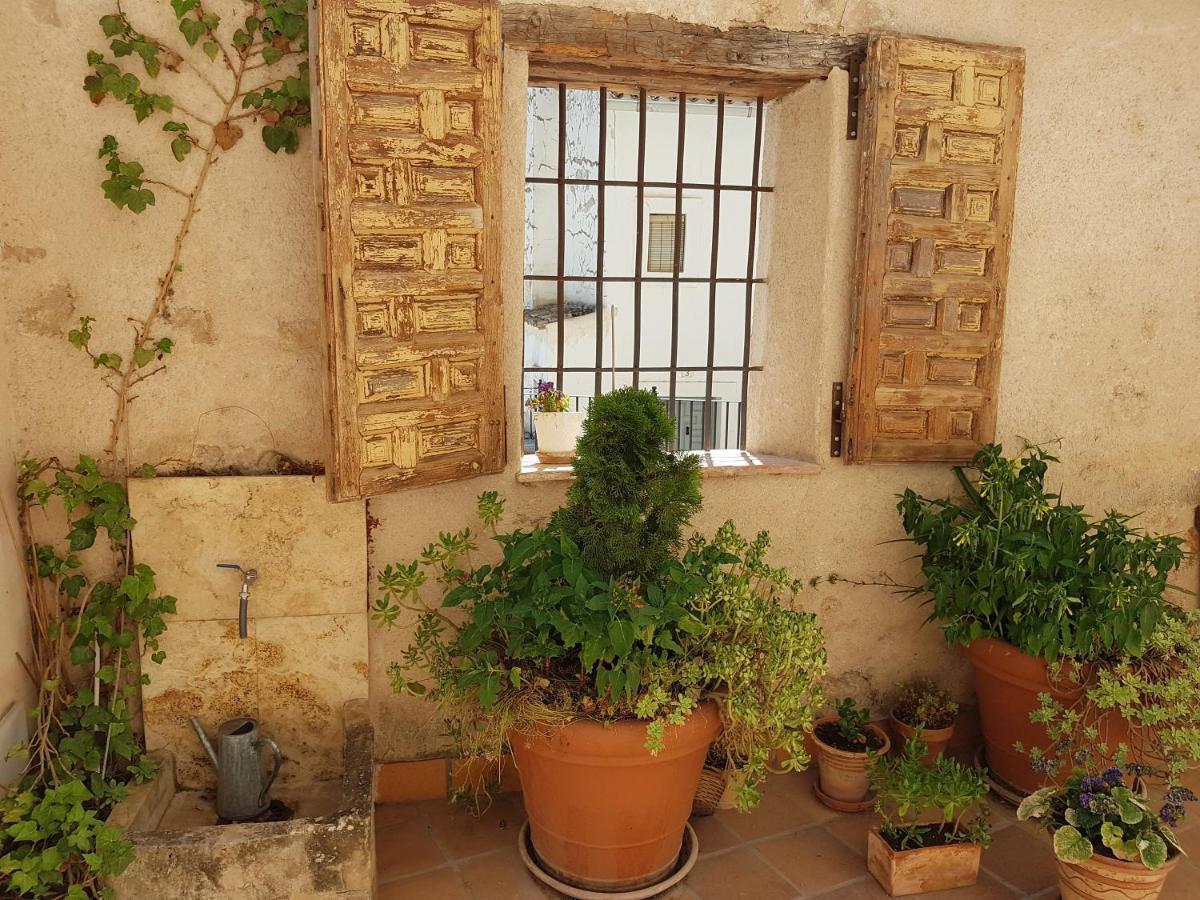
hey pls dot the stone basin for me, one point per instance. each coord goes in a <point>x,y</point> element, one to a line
<point>326,850</point>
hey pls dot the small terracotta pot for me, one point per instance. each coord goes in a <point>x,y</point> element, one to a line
<point>935,739</point>
<point>1101,878</point>
<point>1007,683</point>
<point>557,434</point>
<point>902,872</point>
<point>604,814</point>
<point>843,775</point>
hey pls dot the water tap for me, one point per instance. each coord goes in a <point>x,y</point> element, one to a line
<point>248,577</point>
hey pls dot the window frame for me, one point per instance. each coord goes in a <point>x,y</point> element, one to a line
<point>641,274</point>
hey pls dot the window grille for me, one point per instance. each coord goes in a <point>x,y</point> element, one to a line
<point>617,292</point>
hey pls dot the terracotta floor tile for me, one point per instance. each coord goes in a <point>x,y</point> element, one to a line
<point>463,835</point>
<point>405,848</point>
<point>1183,883</point>
<point>502,876</point>
<point>987,888</point>
<point>713,834</point>
<point>851,829</point>
<point>737,875</point>
<point>1189,839</point>
<point>797,787</point>
<point>444,884</point>
<point>778,813</point>
<point>1003,814</point>
<point>813,860</point>
<point>1022,858</point>
<point>395,813</point>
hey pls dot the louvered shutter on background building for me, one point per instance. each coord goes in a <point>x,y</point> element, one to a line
<point>410,120</point>
<point>940,124</point>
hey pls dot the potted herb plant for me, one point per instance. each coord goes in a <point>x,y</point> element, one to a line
<point>1107,841</point>
<point>923,706</point>
<point>848,745</point>
<point>556,427</point>
<point>602,651</point>
<point>1024,580</point>
<point>933,822</point>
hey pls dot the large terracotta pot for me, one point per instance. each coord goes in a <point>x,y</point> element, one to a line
<point>1007,683</point>
<point>843,775</point>
<point>604,814</point>
<point>936,740</point>
<point>1101,878</point>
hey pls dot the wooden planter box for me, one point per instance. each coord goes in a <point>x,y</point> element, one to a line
<point>923,869</point>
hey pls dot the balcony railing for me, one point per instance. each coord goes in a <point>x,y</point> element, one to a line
<point>688,416</point>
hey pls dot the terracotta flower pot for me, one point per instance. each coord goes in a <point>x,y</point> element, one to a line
<point>902,872</point>
<point>842,773</point>
<point>935,739</point>
<point>1007,683</point>
<point>604,814</point>
<point>1101,878</point>
<point>557,434</point>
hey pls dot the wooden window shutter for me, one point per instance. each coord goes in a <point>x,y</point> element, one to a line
<point>660,243</point>
<point>940,124</point>
<point>410,110</point>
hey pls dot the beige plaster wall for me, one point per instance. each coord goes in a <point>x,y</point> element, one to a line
<point>15,687</point>
<point>1100,345</point>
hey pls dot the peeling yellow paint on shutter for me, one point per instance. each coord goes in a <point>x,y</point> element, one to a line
<point>940,130</point>
<point>410,130</point>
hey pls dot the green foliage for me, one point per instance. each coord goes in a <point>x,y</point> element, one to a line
<point>124,183</point>
<point>1157,693</point>
<point>1100,814</point>
<point>108,80</point>
<point>1012,561</point>
<point>548,399</point>
<point>632,497</point>
<point>761,659</point>
<point>53,842</point>
<point>540,638</point>
<point>919,804</point>
<point>924,703</point>
<point>852,722</point>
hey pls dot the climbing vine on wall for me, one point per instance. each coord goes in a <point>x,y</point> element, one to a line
<point>90,603</point>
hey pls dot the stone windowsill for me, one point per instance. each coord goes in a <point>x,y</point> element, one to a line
<point>713,464</point>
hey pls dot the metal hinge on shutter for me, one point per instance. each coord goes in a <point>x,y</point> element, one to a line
<point>855,91</point>
<point>837,418</point>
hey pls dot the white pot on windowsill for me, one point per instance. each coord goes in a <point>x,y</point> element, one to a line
<point>557,433</point>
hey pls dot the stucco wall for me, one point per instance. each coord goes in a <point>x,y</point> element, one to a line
<point>1103,319</point>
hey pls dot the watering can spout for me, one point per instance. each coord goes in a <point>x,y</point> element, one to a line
<point>205,743</point>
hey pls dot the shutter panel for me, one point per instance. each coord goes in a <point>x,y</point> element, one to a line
<point>940,129</point>
<point>410,128</point>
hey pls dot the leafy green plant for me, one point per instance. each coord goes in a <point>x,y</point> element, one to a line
<point>545,635</point>
<point>271,34</point>
<point>924,805</point>
<point>761,659</point>
<point>84,664</point>
<point>1157,694</point>
<point>851,721</point>
<point>1100,814</point>
<point>1013,562</point>
<point>923,703</point>
<point>632,497</point>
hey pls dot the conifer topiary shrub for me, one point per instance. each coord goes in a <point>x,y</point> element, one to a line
<point>632,496</point>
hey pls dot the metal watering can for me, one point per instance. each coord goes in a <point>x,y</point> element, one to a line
<point>242,785</point>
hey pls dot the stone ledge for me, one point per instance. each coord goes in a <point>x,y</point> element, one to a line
<point>713,464</point>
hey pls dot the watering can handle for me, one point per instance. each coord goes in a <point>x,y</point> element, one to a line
<point>275,771</point>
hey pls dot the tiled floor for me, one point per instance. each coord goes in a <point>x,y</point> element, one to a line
<point>790,847</point>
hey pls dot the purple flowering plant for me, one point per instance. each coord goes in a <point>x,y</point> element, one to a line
<point>1103,814</point>
<point>548,399</point>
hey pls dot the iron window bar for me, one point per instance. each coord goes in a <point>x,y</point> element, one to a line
<point>718,186</point>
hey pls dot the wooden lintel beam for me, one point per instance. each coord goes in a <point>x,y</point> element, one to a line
<point>602,47</point>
